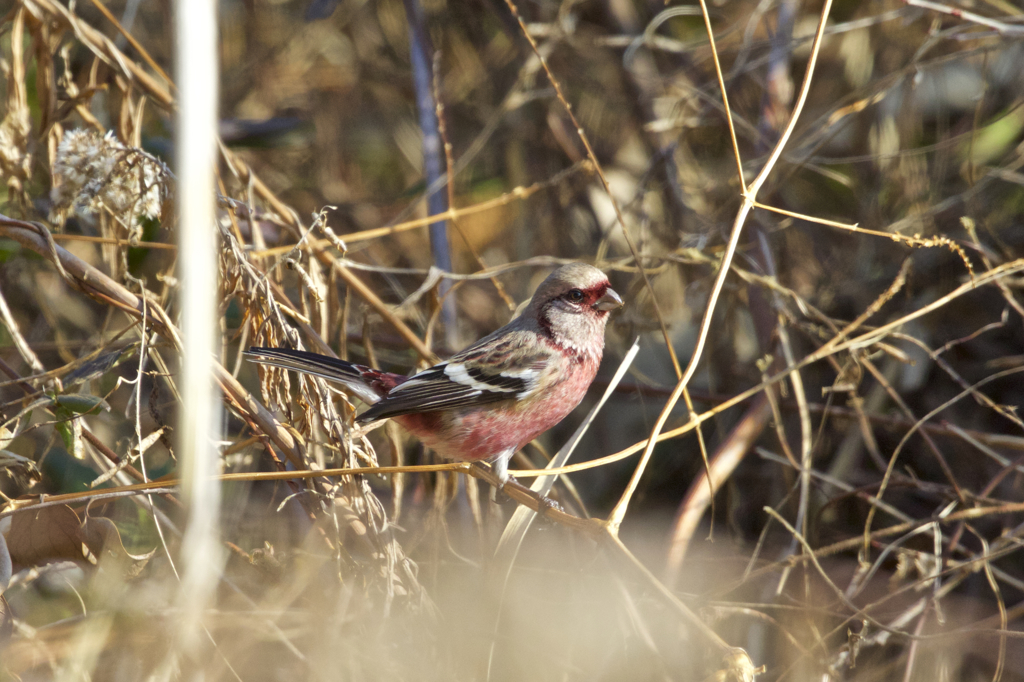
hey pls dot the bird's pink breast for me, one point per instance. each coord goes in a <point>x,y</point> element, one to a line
<point>490,430</point>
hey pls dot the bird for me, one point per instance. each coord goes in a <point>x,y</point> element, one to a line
<point>489,400</point>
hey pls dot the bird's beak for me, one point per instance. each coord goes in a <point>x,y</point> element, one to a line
<point>610,301</point>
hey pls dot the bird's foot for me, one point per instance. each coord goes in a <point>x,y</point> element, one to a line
<point>498,492</point>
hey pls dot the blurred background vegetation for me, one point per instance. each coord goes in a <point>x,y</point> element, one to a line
<point>897,462</point>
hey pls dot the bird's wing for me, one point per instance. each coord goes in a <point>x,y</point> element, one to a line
<point>496,369</point>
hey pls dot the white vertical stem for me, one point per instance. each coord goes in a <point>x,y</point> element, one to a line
<point>196,72</point>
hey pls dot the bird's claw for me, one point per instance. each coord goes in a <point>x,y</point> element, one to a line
<point>500,488</point>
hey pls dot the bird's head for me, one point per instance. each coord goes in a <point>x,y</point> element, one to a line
<point>571,306</point>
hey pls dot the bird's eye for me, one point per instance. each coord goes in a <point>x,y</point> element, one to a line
<point>575,296</point>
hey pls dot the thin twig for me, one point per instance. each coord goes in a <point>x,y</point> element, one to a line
<point>604,180</point>
<point>750,193</point>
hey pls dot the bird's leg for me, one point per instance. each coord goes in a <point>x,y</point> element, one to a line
<point>499,465</point>
<point>500,468</point>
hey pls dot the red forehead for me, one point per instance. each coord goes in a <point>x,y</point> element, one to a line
<point>596,291</point>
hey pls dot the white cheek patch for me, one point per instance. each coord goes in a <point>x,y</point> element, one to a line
<point>567,342</point>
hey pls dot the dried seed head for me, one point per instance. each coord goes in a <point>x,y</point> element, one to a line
<point>93,173</point>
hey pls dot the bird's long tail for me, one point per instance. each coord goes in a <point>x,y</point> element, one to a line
<point>358,378</point>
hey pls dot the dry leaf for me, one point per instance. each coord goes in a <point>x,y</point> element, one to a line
<point>47,534</point>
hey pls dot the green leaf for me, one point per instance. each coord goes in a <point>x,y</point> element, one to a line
<point>8,249</point>
<point>66,433</point>
<point>996,139</point>
<point>79,403</point>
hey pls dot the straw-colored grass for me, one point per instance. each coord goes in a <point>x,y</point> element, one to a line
<point>811,470</point>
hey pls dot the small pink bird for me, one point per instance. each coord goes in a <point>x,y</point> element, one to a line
<point>494,397</point>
